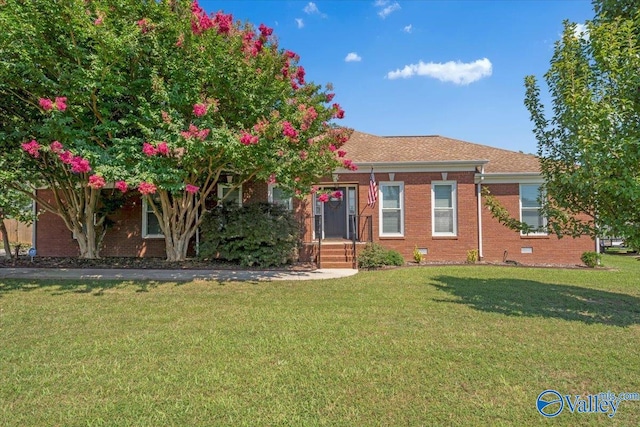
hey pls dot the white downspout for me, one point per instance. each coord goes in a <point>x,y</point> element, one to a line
<point>34,222</point>
<point>479,197</point>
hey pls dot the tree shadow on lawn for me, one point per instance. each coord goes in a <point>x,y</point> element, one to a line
<point>61,287</point>
<point>515,297</point>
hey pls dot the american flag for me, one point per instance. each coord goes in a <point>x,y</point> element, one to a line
<point>373,191</point>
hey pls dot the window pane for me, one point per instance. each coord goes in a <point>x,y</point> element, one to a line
<point>442,195</point>
<point>390,196</point>
<point>443,221</point>
<point>529,196</point>
<point>532,218</point>
<point>281,198</point>
<point>153,225</point>
<point>391,222</point>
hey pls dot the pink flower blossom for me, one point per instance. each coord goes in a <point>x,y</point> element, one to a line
<point>144,25</point>
<point>324,197</point>
<point>189,188</point>
<point>248,139</point>
<point>199,110</point>
<point>166,117</point>
<point>66,157</point>
<point>149,149</point>
<point>303,155</point>
<point>265,31</point>
<point>272,179</point>
<point>288,130</point>
<point>80,165</point>
<point>61,103</point>
<point>300,73</point>
<point>314,189</point>
<point>348,164</point>
<point>291,55</point>
<point>330,97</point>
<point>163,149</point>
<point>297,179</point>
<point>332,147</point>
<point>180,40</point>
<point>223,22</point>
<point>122,186</point>
<point>46,104</point>
<point>339,113</point>
<point>342,153</point>
<point>32,147</point>
<point>96,182</point>
<point>56,147</point>
<point>98,21</point>
<point>337,194</point>
<point>194,132</point>
<point>146,188</point>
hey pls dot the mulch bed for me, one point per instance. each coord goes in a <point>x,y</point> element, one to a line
<point>138,263</point>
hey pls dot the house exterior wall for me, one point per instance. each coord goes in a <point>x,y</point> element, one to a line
<point>545,249</point>
<point>124,237</point>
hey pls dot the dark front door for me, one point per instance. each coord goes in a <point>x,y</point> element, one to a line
<point>335,216</point>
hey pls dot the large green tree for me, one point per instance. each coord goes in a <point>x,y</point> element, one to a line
<point>158,96</point>
<point>589,144</point>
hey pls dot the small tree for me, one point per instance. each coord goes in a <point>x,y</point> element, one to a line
<point>588,147</point>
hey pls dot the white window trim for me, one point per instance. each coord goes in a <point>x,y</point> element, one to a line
<point>221,188</point>
<point>454,207</point>
<point>544,219</point>
<point>270,196</point>
<point>145,212</point>
<point>380,209</point>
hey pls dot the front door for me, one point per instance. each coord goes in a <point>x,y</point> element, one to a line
<point>334,215</point>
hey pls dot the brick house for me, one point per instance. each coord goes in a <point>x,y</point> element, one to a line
<point>428,197</point>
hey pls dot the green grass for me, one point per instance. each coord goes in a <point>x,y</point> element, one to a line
<point>452,345</point>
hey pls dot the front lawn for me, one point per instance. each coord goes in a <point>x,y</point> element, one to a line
<point>452,345</point>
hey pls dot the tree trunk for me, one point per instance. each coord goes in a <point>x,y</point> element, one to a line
<point>177,248</point>
<point>5,240</point>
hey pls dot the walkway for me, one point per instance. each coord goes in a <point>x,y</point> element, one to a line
<point>172,275</point>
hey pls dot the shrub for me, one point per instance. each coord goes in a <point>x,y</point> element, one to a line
<point>591,259</point>
<point>417,255</point>
<point>375,255</point>
<point>394,257</point>
<point>472,256</point>
<point>260,234</point>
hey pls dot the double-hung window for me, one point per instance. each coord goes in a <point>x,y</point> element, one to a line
<point>531,209</point>
<point>391,209</point>
<point>150,224</point>
<point>280,197</point>
<point>228,193</point>
<point>444,215</point>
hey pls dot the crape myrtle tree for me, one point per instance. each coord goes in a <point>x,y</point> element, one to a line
<point>589,146</point>
<point>169,99</point>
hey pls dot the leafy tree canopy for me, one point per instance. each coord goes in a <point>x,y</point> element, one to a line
<point>589,144</point>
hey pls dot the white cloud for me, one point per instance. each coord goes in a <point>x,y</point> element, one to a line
<point>299,22</point>
<point>581,32</point>
<point>459,73</point>
<point>408,29</point>
<point>389,10</point>
<point>381,3</point>
<point>353,57</point>
<point>311,8</point>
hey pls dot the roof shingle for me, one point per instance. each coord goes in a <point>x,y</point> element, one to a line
<point>367,148</point>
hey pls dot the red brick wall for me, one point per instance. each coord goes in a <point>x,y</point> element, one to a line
<point>498,239</point>
<point>125,236</point>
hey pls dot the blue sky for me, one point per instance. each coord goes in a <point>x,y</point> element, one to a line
<point>450,68</point>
